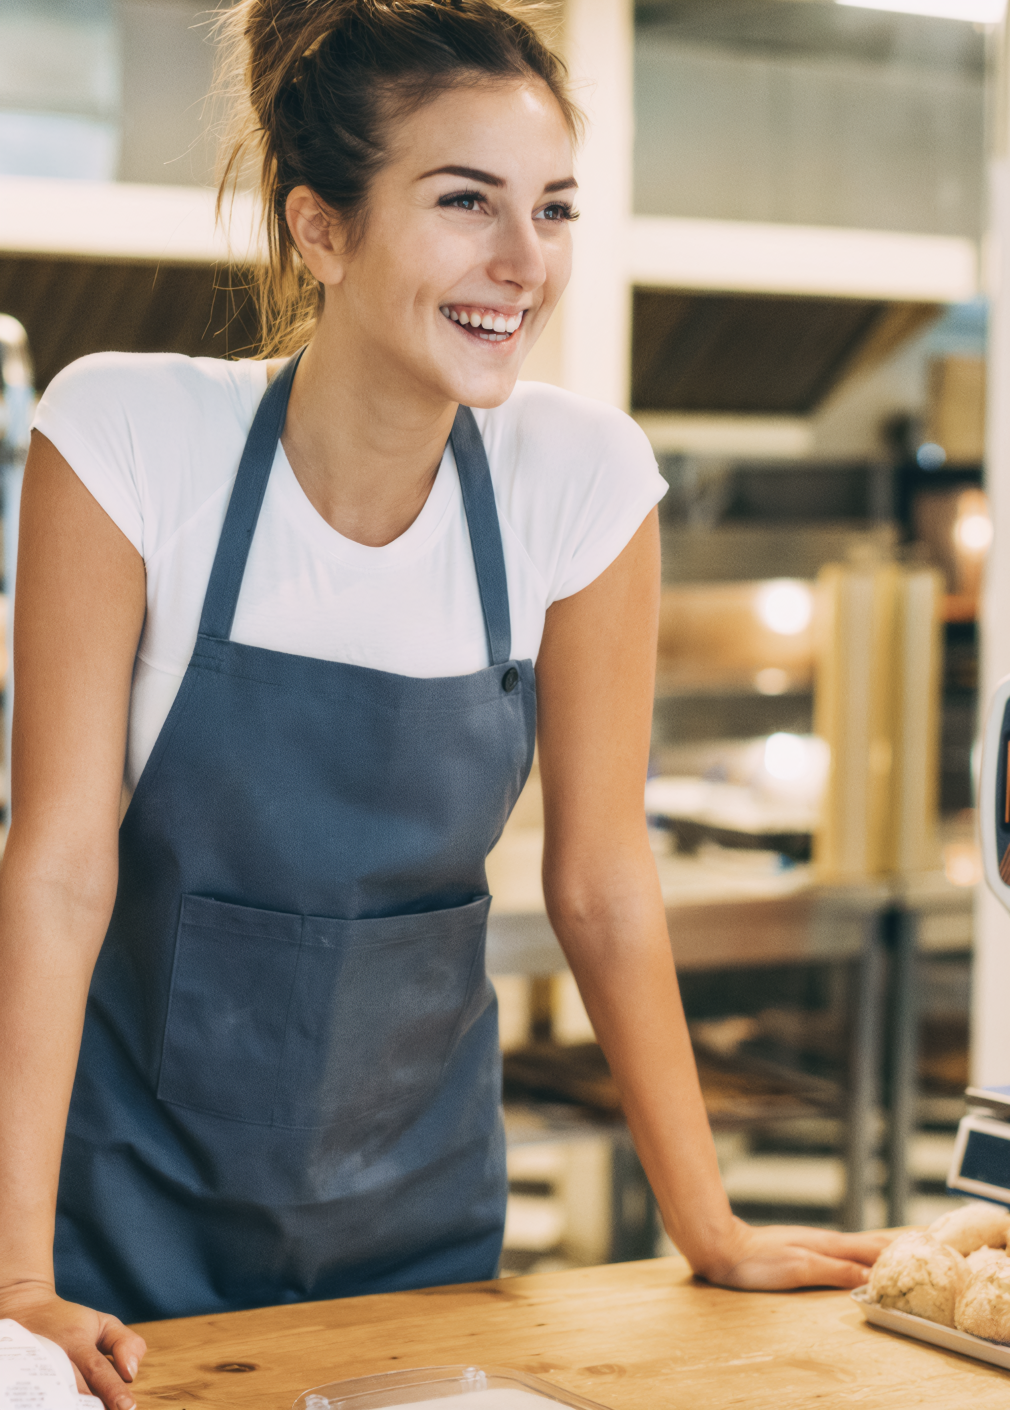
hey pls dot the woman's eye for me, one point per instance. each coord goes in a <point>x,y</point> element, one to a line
<point>463,201</point>
<point>559,210</point>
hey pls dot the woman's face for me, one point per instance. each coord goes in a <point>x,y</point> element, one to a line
<point>467,246</point>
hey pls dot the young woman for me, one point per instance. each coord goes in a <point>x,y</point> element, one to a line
<point>319,606</point>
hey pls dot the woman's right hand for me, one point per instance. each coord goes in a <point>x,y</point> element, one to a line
<point>81,599</point>
<point>105,1353</point>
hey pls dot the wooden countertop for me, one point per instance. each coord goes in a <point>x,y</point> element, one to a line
<point>633,1336</point>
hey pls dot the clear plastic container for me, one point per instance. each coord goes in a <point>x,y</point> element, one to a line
<point>482,1388</point>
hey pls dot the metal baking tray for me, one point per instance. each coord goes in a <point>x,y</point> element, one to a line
<point>994,1352</point>
<point>481,1388</point>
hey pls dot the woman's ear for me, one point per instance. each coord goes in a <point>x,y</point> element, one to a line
<point>317,234</point>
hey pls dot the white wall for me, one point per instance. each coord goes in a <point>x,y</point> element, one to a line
<point>810,140</point>
<point>59,88</point>
<point>595,320</point>
<point>168,71</point>
<point>106,89</point>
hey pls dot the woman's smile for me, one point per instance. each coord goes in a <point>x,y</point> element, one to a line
<point>486,324</point>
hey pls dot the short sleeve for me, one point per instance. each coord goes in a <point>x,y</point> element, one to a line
<point>622,487</point>
<point>84,412</point>
<point>574,479</point>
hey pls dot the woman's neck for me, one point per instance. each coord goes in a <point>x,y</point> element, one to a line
<point>365,453</point>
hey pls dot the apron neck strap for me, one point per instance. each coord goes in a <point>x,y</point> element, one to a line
<point>485,532</point>
<point>245,504</point>
<point>250,487</point>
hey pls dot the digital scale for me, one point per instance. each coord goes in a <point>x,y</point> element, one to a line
<point>981,1162</point>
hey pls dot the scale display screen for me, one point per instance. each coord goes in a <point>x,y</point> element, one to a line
<point>986,1158</point>
<point>981,1163</point>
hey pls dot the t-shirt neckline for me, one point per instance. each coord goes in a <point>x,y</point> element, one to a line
<point>430,524</point>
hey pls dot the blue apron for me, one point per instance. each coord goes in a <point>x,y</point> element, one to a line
<point>289,1081</point>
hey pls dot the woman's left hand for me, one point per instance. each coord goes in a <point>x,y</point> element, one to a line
<point>790,1256</point>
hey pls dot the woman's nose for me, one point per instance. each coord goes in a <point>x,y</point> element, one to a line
<point>517,257</point>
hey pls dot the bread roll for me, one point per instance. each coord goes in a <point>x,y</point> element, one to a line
<point>982,1256</point>
<point>983,1307</point>
<point>973,1226</point>
<point>918,1274</point>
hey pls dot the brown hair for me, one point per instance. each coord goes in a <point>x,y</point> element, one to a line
<point>317,84</point>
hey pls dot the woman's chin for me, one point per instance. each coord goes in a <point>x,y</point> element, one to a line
<point>486,389</point>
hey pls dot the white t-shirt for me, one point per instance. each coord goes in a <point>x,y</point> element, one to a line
<point>157,438</point>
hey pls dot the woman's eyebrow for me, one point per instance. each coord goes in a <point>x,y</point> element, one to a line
<point>566,183</point>
<point>471,173</point>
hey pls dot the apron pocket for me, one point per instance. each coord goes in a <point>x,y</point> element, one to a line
<point>306,1022</point>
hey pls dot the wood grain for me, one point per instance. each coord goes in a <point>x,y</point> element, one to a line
<point>633,1336</point>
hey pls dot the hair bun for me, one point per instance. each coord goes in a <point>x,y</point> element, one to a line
<point>279,33</point>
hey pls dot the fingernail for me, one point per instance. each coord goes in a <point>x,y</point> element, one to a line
<point>125,1402</point>
<point>131,1366</point>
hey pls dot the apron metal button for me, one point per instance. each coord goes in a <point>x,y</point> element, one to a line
<point>510,679</point>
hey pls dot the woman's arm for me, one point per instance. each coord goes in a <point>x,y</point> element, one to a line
<point>80,607</point>
<point>595,677</point>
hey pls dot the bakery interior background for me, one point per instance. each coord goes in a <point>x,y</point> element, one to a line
<point>794,219</point>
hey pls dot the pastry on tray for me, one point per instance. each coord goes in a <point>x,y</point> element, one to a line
<point>982,1256</point>
<point>973,1226</point>
<point>983,1307</point>
<point>919,1274</point>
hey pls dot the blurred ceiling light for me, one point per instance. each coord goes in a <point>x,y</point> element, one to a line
<point>771,680</point>
<point>974,11</point>
<point>974,532</point>
<point>785,756</point>
<point>785,606</point>
<point>962,864</point>
<point>930,456</point>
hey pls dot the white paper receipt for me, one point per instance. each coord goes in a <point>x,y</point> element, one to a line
<point>35,1374</point>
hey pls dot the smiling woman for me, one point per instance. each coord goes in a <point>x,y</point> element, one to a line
<point>314,612</point>
<point>324,87</point>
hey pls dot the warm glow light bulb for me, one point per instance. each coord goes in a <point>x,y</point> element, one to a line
<point>785,756</point>
<point>771,680</point>
<point>974,532</point>
<point>785,606</point>
<point>962,864</point>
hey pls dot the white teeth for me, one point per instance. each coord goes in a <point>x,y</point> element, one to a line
<point>495,326</point>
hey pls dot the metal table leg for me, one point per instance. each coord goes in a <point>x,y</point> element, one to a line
<point>866,1005</point>
<point>902,1043</point>
<point>635,1226</point>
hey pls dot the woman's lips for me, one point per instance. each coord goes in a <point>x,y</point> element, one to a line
<point>490,325</point>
